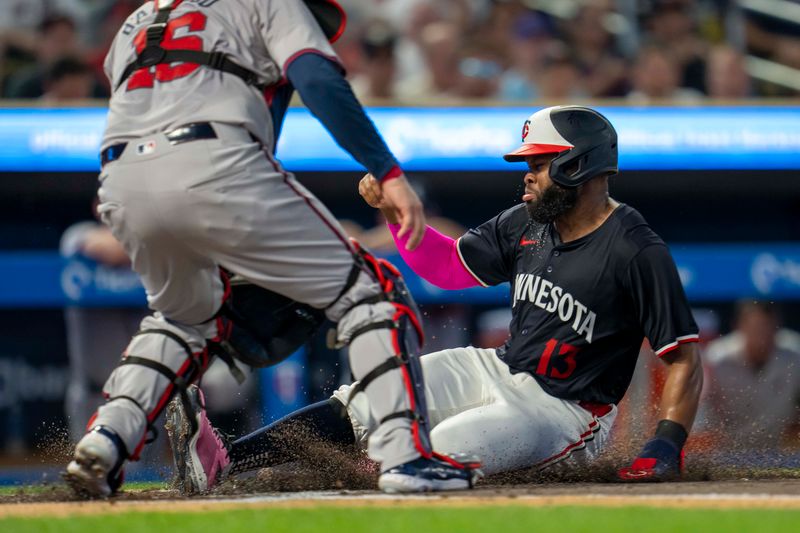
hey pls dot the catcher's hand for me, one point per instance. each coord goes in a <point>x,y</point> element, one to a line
<point>399,204</point>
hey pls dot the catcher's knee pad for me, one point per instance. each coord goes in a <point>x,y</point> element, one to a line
<point>400,316</point>
<point>260,327</point>
<point>154,353</point>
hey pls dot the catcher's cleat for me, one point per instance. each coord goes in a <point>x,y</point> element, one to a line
<point>96,470</point>
<point>199,450</point>
<point>428,475</point>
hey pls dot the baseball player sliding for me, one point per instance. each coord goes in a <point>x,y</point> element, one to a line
<point>219,232</point>
<point>589,281</point>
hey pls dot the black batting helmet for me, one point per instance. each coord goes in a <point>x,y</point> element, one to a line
<point>585,141</point>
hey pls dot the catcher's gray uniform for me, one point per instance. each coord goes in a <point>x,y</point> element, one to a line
<point>184,209</point>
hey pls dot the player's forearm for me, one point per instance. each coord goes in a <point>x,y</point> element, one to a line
<point>683,386</point>
<point>435,260</point>
<point>329,97</point>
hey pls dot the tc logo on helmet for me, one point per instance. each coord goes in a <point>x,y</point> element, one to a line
<point>525,129</point>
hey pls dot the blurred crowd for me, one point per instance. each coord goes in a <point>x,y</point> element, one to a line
<point>500,50</point>
<point>753,380</point>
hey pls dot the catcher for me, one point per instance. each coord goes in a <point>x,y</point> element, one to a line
<point>191,188</point>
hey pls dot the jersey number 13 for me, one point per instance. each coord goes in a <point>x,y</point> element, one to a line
<point>563,366</point>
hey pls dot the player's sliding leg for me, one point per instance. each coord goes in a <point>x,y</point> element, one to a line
<point>456,381</point>
<point>521,426</point>
<point>284,440</point>
<point>205,457</point>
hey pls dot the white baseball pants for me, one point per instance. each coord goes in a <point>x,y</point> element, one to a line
<point>477,406</point>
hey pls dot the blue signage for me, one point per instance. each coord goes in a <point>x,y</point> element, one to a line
<point>715,272</point>
<point>51,140</point>
<point>654,138</point>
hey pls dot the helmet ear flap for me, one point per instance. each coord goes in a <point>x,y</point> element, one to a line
<point>566,167</point>
<point>575,167</point>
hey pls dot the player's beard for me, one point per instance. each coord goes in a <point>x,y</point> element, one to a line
<point>555,201</point>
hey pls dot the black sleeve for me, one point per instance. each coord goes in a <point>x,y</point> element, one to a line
<point>660,302</point>
<point>488,251</point>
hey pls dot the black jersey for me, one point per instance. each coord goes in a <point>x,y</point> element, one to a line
<point>581,309</point>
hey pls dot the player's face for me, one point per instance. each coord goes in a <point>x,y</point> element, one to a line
<point>545,200</point>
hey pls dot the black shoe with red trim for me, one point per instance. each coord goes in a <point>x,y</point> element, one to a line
<point>429,475</point>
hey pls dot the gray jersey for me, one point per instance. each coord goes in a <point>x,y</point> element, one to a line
<point>260,35</point>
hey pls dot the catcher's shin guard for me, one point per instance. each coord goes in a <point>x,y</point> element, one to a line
<point>405,330</point>
<point>158,364</point>
<point>403,323</point>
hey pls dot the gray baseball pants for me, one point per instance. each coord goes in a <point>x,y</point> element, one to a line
<point>182,211</point>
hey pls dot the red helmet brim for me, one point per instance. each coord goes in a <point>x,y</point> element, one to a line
<point>527,150</point>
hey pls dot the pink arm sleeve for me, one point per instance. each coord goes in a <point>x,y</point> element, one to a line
<point>435,260</point>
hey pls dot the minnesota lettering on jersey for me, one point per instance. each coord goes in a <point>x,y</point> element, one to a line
<point>553,299</point>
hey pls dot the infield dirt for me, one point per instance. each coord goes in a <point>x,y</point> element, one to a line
<point>709,495</point>
<point>323,475</point>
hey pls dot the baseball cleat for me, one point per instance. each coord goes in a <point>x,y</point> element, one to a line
<point>199,450</point>
<point>660,460</point>
<point>651,470</point>
<point>96,469</point>
<point>427,475</point>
